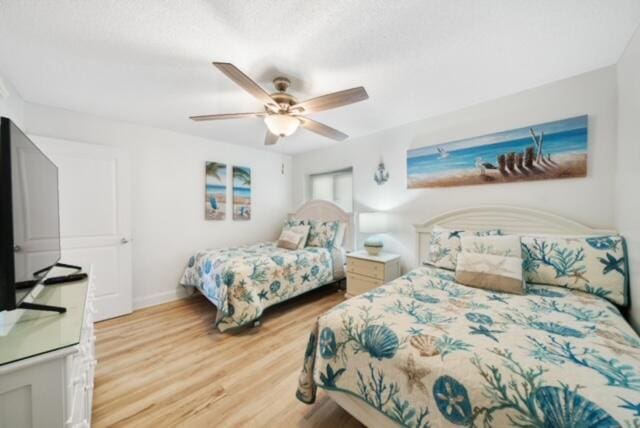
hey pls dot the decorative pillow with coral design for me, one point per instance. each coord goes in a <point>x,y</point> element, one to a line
<point>596,264</point>
<point>445,245</point>
<point>322,233</point>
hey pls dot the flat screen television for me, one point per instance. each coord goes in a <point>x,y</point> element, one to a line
<point>29,214</point>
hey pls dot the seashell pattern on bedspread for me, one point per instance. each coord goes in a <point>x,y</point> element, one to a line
<point>426,351</point>
<point>243,281</point>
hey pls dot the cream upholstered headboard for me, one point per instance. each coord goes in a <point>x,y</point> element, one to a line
<point>510,219</point>
<point>328,211</point>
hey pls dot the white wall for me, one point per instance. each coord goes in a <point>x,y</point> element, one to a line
<point>627,190</point>
<point>167,193</point>
<point>11,104</point>
<point>589,200</point>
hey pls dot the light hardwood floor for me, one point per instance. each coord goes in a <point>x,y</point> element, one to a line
<point>168,366</point>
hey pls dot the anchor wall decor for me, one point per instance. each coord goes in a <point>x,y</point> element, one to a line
<point>381,176</point>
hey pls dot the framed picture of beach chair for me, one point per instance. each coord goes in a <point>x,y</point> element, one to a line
<point>241,193</point>
<point>546,151</point>
<point>215,194</point>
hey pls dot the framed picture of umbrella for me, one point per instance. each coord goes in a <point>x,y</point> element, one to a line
<point>241,193</point>
<point>215,195</point>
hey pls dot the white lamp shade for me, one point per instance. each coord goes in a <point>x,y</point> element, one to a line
<point>282,125</point>
<point>377,222</point>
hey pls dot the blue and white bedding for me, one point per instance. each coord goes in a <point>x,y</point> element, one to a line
<point>243,281</point>
<point>426,351</point>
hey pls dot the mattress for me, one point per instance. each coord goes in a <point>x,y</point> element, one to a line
<point>426,351</point>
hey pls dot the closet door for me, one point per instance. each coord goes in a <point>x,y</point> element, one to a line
<point>95,217</point>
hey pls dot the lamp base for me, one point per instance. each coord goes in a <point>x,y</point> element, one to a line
<point>373,246</point>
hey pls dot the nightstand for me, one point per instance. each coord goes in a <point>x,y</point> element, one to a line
<point>365,272</point>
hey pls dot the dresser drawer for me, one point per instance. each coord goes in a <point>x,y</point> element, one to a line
<point>358,284</point>
<point>366,268</point>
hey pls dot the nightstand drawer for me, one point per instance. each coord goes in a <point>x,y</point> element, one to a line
<point>357,284</point>
<point>366,268</point>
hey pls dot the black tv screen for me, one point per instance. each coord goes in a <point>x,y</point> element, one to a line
<point>29,213</point>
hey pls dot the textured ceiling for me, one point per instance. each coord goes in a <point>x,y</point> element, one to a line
<point>149,61</point>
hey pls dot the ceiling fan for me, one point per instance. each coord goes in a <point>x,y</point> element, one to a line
<point>282,112</point>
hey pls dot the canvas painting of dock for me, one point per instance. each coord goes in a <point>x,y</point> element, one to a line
<point>539,152</point>
<point>241,193</point>
<point>215,196</point>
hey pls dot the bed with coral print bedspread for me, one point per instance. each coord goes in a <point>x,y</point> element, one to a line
<point>426,351</point>
<point>243,281</point>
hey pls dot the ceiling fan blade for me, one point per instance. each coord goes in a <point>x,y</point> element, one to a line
<point>329,101</point>
<point>322,129</point>
<point>270,139</point>
<point>245,82</point>
<point>226,116</point>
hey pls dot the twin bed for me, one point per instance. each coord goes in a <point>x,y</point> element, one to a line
<point>243,281</point>
<point>424,350</point>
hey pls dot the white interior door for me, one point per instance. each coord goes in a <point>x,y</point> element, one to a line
<point>95,217</point>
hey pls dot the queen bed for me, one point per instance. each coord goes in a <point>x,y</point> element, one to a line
<point>243,281</point>
<point>424,350</point>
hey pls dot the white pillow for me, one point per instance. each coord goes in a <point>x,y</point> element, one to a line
<point>499,245</point>
<point>289,240</point>
<point>489,272</point>
<point>491,263</point>
<point>293,237</point>
<point>339,239</point>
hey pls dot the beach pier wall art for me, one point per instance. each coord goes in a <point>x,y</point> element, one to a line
<point>215,194</point>
<point>241,193</point>
<point>547,151</point>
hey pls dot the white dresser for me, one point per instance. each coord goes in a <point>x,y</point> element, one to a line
<point>47,361</point>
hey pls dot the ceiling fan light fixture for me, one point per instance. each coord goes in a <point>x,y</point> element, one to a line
<point>283,114</point>
<point>282,125</point>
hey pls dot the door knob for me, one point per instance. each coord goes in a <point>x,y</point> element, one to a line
<point>17,248</point>
<point>124,241</point>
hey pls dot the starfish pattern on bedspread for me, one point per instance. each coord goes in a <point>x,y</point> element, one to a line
<point>554,357</point>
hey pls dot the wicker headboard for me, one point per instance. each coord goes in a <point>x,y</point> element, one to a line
<point>510,219</point>
<point>328,211</point>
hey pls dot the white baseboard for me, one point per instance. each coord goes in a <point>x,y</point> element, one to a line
<point>159,298</point>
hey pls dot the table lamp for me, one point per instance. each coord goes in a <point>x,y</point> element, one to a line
<point>373,223</point>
